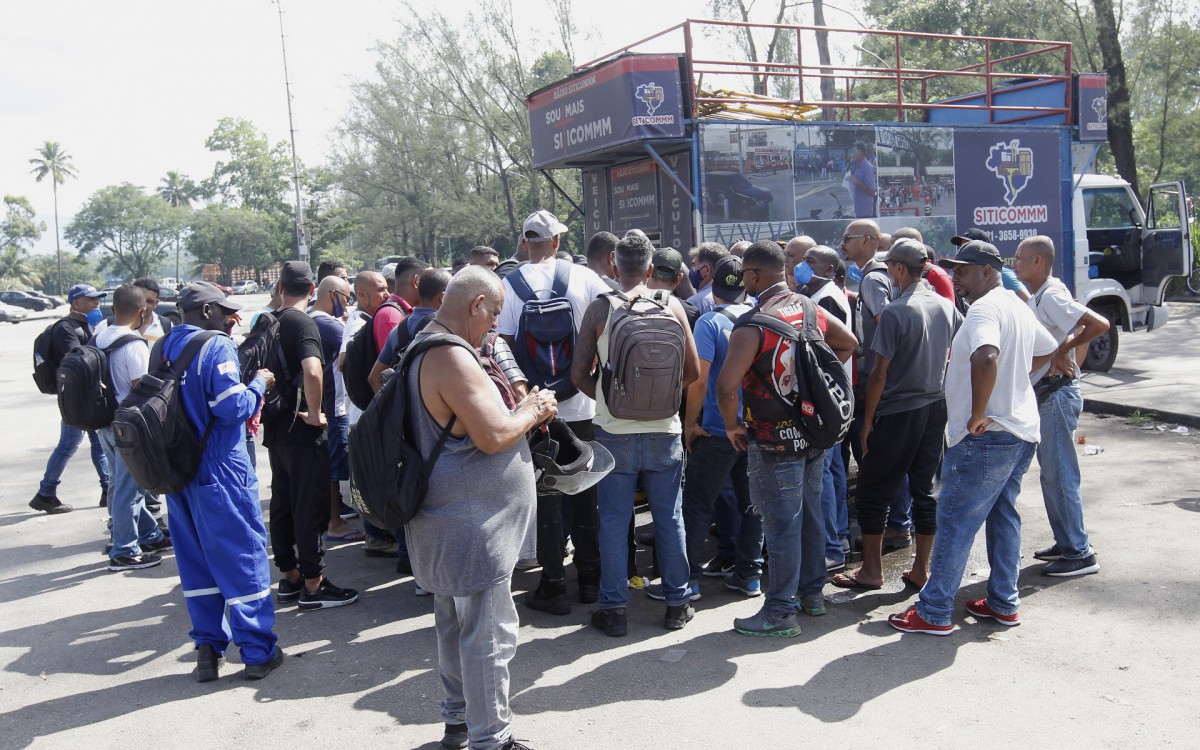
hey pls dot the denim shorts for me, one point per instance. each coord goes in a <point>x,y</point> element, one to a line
<point>339,449</point>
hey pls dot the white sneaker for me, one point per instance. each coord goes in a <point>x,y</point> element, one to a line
<point>420,591</point>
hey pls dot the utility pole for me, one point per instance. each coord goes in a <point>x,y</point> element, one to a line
<point>301,242</point>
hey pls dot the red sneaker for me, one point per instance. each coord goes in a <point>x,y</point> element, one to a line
<point>911,622</point>
<point>979,608</point>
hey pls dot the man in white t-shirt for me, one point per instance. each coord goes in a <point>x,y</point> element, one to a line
<point>1059,403</point>
<point>136,537</point>
<point>540,240</point>
<point>993,428</point>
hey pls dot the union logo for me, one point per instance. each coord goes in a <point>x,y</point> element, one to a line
<point>1012,165</point>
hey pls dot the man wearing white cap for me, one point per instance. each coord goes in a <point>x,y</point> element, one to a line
<point>546,361</point>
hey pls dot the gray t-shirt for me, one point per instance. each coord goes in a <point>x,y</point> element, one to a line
<point>478,515</point>
<point>915,333</point>
<point>874,293</point>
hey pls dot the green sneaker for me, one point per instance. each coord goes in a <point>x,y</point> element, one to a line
<point>768,625</point>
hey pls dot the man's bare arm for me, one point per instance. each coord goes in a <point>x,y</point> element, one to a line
<point>583,362</point>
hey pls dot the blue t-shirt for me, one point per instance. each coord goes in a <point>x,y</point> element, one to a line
<point>331,330</point>
<point>712,344</point>
<point>409,328</point>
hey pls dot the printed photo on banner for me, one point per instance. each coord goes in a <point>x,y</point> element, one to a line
<point>916,171</point>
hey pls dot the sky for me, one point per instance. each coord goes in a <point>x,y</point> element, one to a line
<point>132,88</point>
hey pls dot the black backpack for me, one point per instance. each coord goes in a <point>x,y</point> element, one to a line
<point>823,397</point>
<point>45,363</point>
<point>152,431</point>
<point>86,397</point>
<point>361,353</point>
<point>545,340</point>
<point>261,351</point>
<point>386,466</point>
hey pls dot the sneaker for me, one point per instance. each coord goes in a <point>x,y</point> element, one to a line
<point>655,592</point>
<point>379,546</point>
<point>1065,567</point>
<point>288,591</point>
<point>611,621</point>
<point>677,616</point>
<point>134,562</point>
<point>103,497</point>
<point>455,737</point>
<point>717,568</point>
<point>208,663</point>
<point>515,745</point>
<point>327,596</point>
<point>526,563</point>
<point>418,591</point>
<point>555,604</point>
<point>768,625</point>
<point>834,566</point>
<point>259,671</point>
<point>751,586</point>
<point>911,622</point>
<point>589,593</point>
<point>346,512</point>
<point>814,607</point>
<point>979,608</point>
<point>49,504</point>
<point>1049,553</point>
<point>638,582</point>
<point>162,545</point>
<point>894,539</point>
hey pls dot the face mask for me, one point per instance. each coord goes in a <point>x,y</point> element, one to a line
<point>696,279</point>
<point>94,317</point>
<point>854,273</point>
<point>803,273</point>
<point>339,309</point>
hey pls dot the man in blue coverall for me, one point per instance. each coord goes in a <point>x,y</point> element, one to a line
<point>216,522</point>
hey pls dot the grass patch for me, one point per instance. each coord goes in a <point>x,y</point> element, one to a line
<point>1141,418</point>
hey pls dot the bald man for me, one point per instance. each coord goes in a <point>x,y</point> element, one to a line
<point>793,253</point>
<point>739,248</point>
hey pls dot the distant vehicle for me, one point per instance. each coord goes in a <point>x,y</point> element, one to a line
<point>228,291</point>
<point>12,314</point>
<point>245,286</point>
<point>54,301</point>
<point>735,196</point>
<point>166,310</point>
<point>25,300</point>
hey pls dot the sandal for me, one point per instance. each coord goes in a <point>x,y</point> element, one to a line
<point>850,581</point>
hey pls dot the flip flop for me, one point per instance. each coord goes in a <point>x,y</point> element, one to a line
<point>850,581</point>
<point>910,583</point>
<point>353,535</point>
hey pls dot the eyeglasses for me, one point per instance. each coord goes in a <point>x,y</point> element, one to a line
<point>847,237</point>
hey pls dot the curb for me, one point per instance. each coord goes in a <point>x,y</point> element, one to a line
<point>1124,410</point>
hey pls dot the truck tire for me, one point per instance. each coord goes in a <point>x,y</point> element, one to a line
<point>1102,351</point>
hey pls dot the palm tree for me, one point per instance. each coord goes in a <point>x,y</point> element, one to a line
<point>14,264</point>
<point>178,190</point>
<point>53,162</point>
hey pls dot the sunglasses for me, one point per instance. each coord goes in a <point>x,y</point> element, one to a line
<point>847,237</point>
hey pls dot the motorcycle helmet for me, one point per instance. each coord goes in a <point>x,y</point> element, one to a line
<point>564,463</point>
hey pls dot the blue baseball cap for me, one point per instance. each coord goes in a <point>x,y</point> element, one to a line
<point>83,290</point>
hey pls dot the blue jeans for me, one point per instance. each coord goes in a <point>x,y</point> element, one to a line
<point>981,478</point>
<point>786,490</point>
<point>658,458</point>
<point>711,466</point>
<point>834,505</point>
<point>132,524</point>
<point>1060,471</point>
<point>728,518</point>
<point>69,439</point>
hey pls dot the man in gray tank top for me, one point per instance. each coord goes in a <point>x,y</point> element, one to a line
<point>465,540</point>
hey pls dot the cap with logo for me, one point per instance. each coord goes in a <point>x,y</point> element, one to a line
<point>727,282</point>
<point>907,252</point>
<point>83,290</point>
<point>975,253</point>
<point>667,263</point>
<point>200,293</point>
<point>969,235</point>
<point>542,225</point>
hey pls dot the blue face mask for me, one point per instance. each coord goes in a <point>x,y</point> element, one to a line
<point>854,273</point>
<point>94,317</point>
<point>803,273</point>
<point>339,309</point>
<point>695,278</point>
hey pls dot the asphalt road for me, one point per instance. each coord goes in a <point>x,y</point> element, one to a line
<point>95,659</point>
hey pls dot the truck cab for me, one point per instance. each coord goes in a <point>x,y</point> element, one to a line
<point>1124,255</point>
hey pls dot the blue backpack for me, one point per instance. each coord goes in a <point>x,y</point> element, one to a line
<point>545,340</point>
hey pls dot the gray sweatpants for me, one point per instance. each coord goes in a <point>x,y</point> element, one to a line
<point>477,637</point>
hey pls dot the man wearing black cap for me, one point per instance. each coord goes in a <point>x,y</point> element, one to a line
<point>667,274</point>
<point>1008,277</point>
<point>904,418</point>
<point>295,440</point>
<point>992,427</point>
<point>216,522</point>
<point>67,333</point>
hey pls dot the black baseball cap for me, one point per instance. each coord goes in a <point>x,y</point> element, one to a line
<point>667,262</point>
<point>974,253</point>
<point>727,282</point>
<point>296,271</point>
<point>200,293</point>
<point>969,235</point>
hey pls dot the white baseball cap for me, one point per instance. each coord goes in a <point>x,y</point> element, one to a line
<point>543,225</point>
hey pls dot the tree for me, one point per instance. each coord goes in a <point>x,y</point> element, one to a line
<point>20,228</point>
<point>53,162</point>
<point>1120,120</point>
<point>16,270</point>
<point>179,191</point>
<point>75,269</point>
<point>135,229</point>
<point>233,238</point>
<point>255,174</point>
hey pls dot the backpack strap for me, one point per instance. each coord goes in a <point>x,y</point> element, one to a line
<point>724,311</point>
<point>121,341</point>
<point>419,346</point>
<point>520,286</point>
<point>189,352</point>
<point>562,277</point>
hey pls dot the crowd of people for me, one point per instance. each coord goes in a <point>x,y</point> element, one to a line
<point>669,374</point>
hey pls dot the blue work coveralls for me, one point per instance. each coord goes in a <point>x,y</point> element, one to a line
<point>216,522</point>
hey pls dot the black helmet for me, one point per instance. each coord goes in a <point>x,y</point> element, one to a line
<point>566,464</point>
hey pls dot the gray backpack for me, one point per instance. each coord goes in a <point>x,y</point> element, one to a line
<point>643,370</point>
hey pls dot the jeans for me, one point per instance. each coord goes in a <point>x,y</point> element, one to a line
<point>786,490</point>
<point>834,505</point>
<point>658,458</point>
<point>477,638</point>
<point>132,524</point>
<point>728,518</point>
<point>1060,471</point>
<point>711,464</point>
<point>551,541</point>
<point>981,478</point>
<point>69,439</point>
<point>339,448</point>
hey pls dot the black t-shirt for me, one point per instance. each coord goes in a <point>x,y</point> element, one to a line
<point>67,334</point>
<point>299,339</point>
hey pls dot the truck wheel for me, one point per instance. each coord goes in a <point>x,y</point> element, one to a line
<point>1102,351</point>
